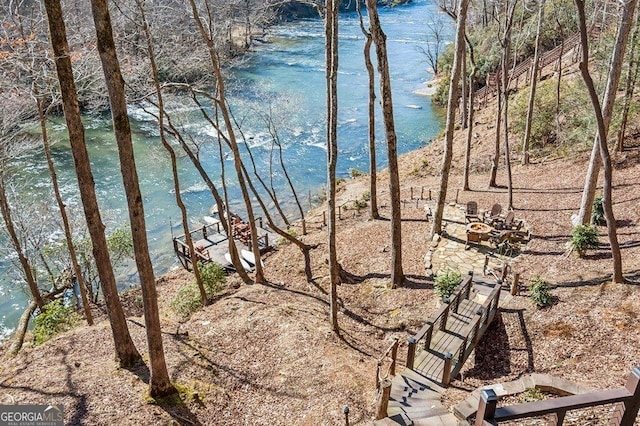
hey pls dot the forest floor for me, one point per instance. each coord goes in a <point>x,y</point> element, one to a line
<point>265,354</point>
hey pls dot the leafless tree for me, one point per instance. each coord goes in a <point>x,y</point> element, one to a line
<point>452,105</point>
<point>159,382</point>
<point>373,169</point>
<point>331,64</point>
<point>607,200</point>
<point>380,41</point>
<point>617,59</point>
<point>532,89</point>
<point>126,353</point>
<point>221,105</point>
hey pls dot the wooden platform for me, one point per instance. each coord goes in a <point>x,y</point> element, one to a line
<point>211,243</point>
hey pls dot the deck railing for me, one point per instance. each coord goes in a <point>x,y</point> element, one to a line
<point>383,381</point>
<point>453,362</point>
<point>626,400</point>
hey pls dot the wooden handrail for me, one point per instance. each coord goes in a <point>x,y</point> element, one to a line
<point>440,319</point>
<point>627,402</point>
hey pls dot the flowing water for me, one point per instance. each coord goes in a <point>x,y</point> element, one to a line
<point>284,76</point>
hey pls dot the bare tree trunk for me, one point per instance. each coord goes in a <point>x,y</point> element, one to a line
<point>451,112</point>
<point>21,330</point>
<point>304,248</point>
<point>589,192</point>
<point>463,103</point>
<point>467,151</point>
<point>534,83</point>
<point>17,246</point>
<point>607,201</point>
<point>558,81</point>
<point>63,214</point>
<point>331,40</point>
<point>509,9</point>
<point>380,40</point>
<point>204,299</point>
<point>495,162</point>
<point>632,78</point>
<point>126,353</point>
<point>373,170</point>
<point>159,382</point>
<point>237,160</point>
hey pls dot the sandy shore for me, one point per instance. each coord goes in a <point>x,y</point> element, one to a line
<point>427,88</point>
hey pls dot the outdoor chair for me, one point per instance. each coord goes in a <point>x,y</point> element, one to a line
<point>472,212</point>
<point>494,215</point>
<point>506,223</point>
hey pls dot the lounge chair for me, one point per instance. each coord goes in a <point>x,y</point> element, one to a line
<point>494,215</point>
<point>472,212</point>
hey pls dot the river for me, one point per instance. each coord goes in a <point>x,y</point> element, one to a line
<point>284,75</point>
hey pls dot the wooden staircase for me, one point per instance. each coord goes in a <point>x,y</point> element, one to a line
<point>435,355</point>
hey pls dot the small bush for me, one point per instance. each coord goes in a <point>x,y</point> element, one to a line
<point>531,395</point>
<point>366,196</point>
<point>446,282</point>
<point>539,292</point>
<point>213,277</point>
<point>583,238</point>
<point>188,300</point>
<point>282,241</point>
<point>359,204</point>
<point>56,318</point>
<point>597,212</point>
<point>355,173</point>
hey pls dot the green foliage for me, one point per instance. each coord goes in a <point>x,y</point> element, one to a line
<point>213,277</point>
<point>446,282</point>
<point>56,318</point>
<point>340,181</point>
<point>531,395</point>
<point>597,212</point>
<point>188,299</point>
<point>583,238</point>
<point>575,128</point>
<point>355,173</point>
<point>359,204</point>
<point>283,241</point>
<point>539,292</point>
<point>366,196</point>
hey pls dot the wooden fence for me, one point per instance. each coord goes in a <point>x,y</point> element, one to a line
<point>626,400</point>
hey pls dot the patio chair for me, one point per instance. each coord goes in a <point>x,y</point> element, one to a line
<point>494,215</point>
<point>506,223</point>
<point>472,212</point>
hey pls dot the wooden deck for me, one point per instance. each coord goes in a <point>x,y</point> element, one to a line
<point>211,243</point>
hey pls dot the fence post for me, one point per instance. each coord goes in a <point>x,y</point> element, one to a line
<point>446,371</point>
<point>422,193</point>
<point>411,352</point>
<point>378,368</point>
<point>324,218</point>
<point>383,402</point>
<point>486,406</point>
<point>514,284</point>
<point>429,194</point>
<point>445,316</point>
<point>345,410</point>
<point>631,406</point>
<point>394,355</point>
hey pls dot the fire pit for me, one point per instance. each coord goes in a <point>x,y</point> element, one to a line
<point>479,228</point>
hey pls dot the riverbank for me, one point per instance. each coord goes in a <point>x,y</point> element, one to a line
<point>264,354</point>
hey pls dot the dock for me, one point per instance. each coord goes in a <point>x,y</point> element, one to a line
<point>211,242</point>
